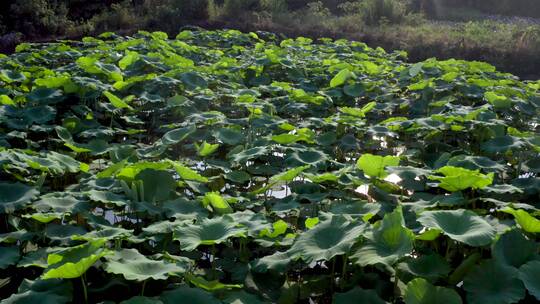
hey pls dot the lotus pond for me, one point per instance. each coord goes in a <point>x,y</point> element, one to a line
<point>229,167</point>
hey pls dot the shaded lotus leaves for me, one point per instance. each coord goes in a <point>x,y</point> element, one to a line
<point>430,267</point>
<point>14,196</point>
<point>420,291</point>
<point>461,225</point>
<point>137,267</point>
<point>211,286</point>
<point>278,261</point>
<point>358,295</point>
<point>8,256</point>
<point>529,274</point>
<point>186,294</point>
<point>74,261</point>
<point>157,184</point>
<point>514,249</point>
<point>502,144</point>
<point>177,135</point>
<point>208,232</point>
<point>229,136</point>
<point>53,291</point>
<point>389,241</point>
<point>492,282</point>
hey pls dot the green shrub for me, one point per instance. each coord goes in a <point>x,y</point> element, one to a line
<point>120,16</point>
<point>40,17</point>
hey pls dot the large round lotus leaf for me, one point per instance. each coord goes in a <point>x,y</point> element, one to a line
<point>358,295</point>
<point>208,232</point>
<point>42,291</point>
<point>193,80</point>
<point>525,220</point>
<point>420,291</point>
<point>157,184</point>
<point>502,144</point>
<point>460,225</point>
<point>514,249</point>
<point>73,262</point>
<point>389,241</point>
<point>8,256</point>
<point>475,163</point>
<point>431,267</point>
<point>306,157</point>
<point>327,239</point>
<point>229,136</point>
<point>14,196</point>
<point>457,178</point>
<point>135,266</point>
<point>40,114</point>
<point>529,274</point>
<point>177,135</point>
<point>185,294</point>
<point>249,154</point>
<point>491,282</point>
<point>374,165</point>
<point>279,261</point>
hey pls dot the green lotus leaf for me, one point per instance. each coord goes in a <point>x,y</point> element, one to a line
<point>498,101</point>
<point>358,112</point>
<point>14,196</point>
<point>206,149</point>
<point>249,154</point>
<point>420,291</point>
<point>107,197</point>
<point>492,282</point>
<point>8,256</point>
<point>36,258</point>
<point>116,101</point>
<point>120,170</point>
<point>137,267</point>
<point>229,136</point>
<point>526,221</point>
<point>60,203</point>
<point>341,77</point>
<point>354,90</point>
<point>288,175</point>
<point>212,286</point>
<point>358,295</point>
<point>241,297</point>
<point>502,144</point>
<point>431,267</point>
<point>529,274</point>
<point>187,173</point>
<point>44,217</point>
<point>42,291</point>
<point>514,249</point>
<point>374,165</point>
<point>158,184</point>
<point>332,237</point>
<point>389,241</point>
<point>278,228</point>
<point>185,294</point>
<point>238,176</point>
<point>217,202</point>
<point>208,232</point>
<point>475,163</point>
<point>177,135</point>
<point>182,209</point>
<point>456,178</point>
<point>74,261</point>
<point>461,225</point>
<point>306,157</point>
<point>10,76</point>
<point>278,261</point>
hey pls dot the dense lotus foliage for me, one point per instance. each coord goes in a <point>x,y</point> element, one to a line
<point>223,167</point>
